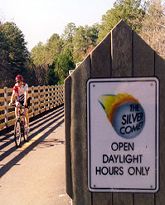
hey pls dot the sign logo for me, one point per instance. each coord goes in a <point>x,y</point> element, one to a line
<point>125,113</point>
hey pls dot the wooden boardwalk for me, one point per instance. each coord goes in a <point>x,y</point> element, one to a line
<point>35,172</point>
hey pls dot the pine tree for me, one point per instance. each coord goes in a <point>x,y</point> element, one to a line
<point>153,26</point>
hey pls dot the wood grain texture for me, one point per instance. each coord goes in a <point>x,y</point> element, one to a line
<point>100,59</point>
<point>122,67</point>
<point>67,104</point>
<point>102,199</point>
<point>82,196</point>
<point>143,65</point>
<point>121,50</point>
<point>143,58</point>
<point>121,54</point>
<point>101,67</point>
<point>160,73</point>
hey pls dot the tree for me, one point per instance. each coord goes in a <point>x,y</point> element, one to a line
<point>68,35</point>
<point>54,47</point>
<point>131,11</point>
<point>39,55</point>
<point>3,47</point>
<point>14,56</point>
<point>14,46</point>
<point>92,34</point>
<point>44,54</point>
<point>62,64</point>
<point>53,79</point>
<point>153,26</point>
<point>84,41</point>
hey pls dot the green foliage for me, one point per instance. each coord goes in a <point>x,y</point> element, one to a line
<point>153,26</point>
<point>38,55</point>
<point>54,47</point>
<point>85,39</point>
<point>13,45</point>
<point>68,35</point>
<point>62,64</point>
<point>44,54</point>
<point>52,77</point>
<point>14,56</point>
<point>60,54</point>
<point>131,11</point>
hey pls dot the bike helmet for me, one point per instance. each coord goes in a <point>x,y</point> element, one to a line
<point>19,78</point>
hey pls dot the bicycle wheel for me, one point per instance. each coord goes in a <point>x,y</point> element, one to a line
<point>26,134</point>
<point>17,133</point>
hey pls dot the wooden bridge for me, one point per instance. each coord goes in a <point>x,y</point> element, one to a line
<point>43,98</point>
<point>35,172</point>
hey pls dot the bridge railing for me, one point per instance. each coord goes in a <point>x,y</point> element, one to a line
<point>43,98</point>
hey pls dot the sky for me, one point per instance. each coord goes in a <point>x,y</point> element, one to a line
<point>39,19</point>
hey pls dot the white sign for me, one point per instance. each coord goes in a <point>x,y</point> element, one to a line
<point>123,133</point>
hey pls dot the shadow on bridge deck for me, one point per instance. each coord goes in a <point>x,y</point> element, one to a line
<point>40,129</point>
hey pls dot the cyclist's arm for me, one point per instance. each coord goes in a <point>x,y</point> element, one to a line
<point>26,95</point>
<point>12,97</point>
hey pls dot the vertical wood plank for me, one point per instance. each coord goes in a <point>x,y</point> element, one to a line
<point>52,91</point>
<point>101,67</point>
<point>48,89</point>
<point>143,58</point>
<point>121,50</point>
<point>122,67</point>
<point>44,101</point>
<point>6,105</point>
<point>67,105</point>
<point>82,196</point>
<point>39,99</point>
<point>160,73</point>
<point>100,59</point>
<point>143,61</point>
<point>32,101</point>
<point>50,96</point>
<point>57,96</point>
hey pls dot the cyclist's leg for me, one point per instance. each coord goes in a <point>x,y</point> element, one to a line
<point>17,106</point>
<point>27,110</point>
<point>17,127</point>
<point>27,117</point>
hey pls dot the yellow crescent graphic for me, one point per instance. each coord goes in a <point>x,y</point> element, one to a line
<point>111,102</point>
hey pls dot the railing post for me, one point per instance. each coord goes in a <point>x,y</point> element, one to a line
<point>54,93</point>
<point>62,94</point>
<point>32,95</point>
<point>49,98</point>
<point>5,105</point>
<point>58,95</point>
<point>44,95</point>
<point>39,100</point>
<point>45,98</point>
<point>59,92</point>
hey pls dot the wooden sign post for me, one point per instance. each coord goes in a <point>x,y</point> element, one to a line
<point>122,54</point>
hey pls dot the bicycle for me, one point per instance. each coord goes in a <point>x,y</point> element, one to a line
<point>20,129</point>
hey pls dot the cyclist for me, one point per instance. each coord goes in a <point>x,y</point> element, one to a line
<point>20,96</point>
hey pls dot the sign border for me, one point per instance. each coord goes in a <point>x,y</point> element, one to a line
<point>157,129</point>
